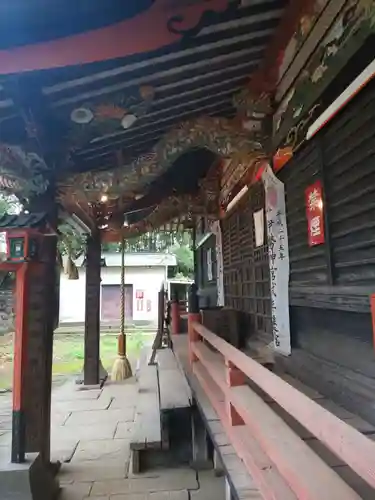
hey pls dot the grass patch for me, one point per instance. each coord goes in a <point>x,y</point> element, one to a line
<point>68,354</point>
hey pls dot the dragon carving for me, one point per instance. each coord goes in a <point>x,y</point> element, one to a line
<point>220,135</point>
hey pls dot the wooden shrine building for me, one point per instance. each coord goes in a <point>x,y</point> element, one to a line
<point>251,121</point>
<point>322,146</point>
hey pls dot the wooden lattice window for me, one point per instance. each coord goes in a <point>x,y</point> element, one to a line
<point>246,268</point>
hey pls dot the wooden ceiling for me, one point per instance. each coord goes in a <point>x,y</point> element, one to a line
<point>196,75</point>
<point>194,78</point>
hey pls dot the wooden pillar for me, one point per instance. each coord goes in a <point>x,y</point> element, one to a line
<point>92,311</point>
<point>42,312</point>
<point>194,247</point>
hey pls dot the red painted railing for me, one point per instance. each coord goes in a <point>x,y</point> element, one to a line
<point>183,306</point>
<point>178,309</point>
<point>280,462</point>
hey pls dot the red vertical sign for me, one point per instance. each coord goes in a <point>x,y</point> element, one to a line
<point>314,214</point>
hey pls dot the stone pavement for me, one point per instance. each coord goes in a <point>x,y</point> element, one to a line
<point>91,432</point>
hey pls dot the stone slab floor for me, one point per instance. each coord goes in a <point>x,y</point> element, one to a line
<point>91,430</point>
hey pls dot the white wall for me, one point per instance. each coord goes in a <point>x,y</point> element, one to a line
<point>72,292</point>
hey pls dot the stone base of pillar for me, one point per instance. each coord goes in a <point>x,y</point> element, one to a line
<point>200,443</point>
<point>103,375</point>
<point>228,490</point>
<point>218,465</point>
<point>32,480</point>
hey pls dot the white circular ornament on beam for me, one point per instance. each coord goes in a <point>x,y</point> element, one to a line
<point>81,116</point>
<point>128,121</point>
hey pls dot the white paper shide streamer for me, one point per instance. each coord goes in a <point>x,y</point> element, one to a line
<point>216,230</point>
<point>277,236</point>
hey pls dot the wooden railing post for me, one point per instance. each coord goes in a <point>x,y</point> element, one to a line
<point>193,316</point>
<point>234,378</point>
<point>193,335</point>
<point>175,316</point>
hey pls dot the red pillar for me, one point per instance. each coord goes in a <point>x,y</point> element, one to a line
<point>20,366</point>
<point>175,317</point>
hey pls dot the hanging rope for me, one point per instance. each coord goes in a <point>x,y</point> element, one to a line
<point>121,369</point>
<point>122,296</point>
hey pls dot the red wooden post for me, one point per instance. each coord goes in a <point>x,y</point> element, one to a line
<point>234,378</point>
<point>20,366</point>
<point>175,317</point>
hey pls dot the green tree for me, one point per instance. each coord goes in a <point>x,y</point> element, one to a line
<point>185,259</point>
<point>70,243</point>
<point>176,243</point>
<point>9,204</point>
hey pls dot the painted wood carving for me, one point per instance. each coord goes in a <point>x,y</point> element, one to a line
<point>220,135</point>
<point>96,118</point>
<point>305,26</point>
<point>156,25</point>
<point>184,207</point>
<point>252,109</point>
<point>354,25</point>
<point>22,173</point>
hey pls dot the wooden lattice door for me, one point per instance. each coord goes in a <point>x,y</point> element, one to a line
<point>246,268</point>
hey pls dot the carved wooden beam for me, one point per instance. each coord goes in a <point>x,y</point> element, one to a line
<point>266,78</point>
<point>43,132</point>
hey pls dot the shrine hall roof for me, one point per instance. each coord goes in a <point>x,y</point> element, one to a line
<point>22,221</point>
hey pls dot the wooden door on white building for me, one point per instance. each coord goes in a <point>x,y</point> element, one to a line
<point>111,299</point>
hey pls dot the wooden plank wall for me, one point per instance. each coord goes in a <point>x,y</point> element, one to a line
<point>339,274</point>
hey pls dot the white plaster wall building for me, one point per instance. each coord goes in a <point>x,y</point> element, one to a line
<point>144,275</point>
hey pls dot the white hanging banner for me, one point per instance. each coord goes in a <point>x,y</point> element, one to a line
<point>277,236</point>
<point>209,265</point>
<point>259,227</point>
<point>216,230</point>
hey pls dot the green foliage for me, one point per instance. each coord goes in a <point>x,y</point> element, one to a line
<point>110,247</point>
<point>185,259</point>
<point>70,243</point>
<point>9,204</point>
<point>176,243</point>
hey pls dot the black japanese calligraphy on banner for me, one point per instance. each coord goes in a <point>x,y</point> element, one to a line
<point>216,230</point>
<point>277,236</point>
